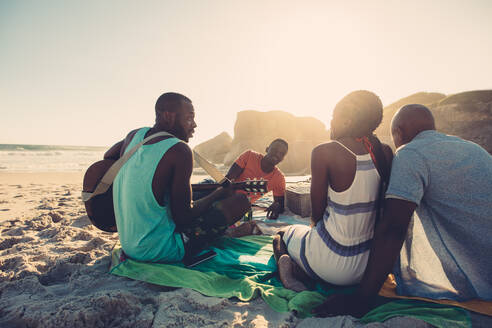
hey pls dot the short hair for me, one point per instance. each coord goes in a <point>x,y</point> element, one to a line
<point>281,141</point>
<point>366,110</point>
<point>416,116</point>
<point>170,102</point>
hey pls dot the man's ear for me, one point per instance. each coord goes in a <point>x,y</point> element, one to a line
<point>267,149</point>
<point>169,118</point>
<point>397,136</point>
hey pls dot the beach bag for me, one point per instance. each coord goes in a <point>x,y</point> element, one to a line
<point>97,192</point>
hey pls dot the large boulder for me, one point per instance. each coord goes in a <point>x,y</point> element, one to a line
<point>255,130</point>
<point>216,148</point>
<point>467,115</point>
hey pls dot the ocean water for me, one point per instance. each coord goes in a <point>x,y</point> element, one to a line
<point>46,158</point>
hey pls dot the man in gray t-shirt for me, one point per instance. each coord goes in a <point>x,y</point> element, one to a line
<point>450,181</point>
<point>445,251</point>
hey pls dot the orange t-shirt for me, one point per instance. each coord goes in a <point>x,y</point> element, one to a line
<point>250,161</point>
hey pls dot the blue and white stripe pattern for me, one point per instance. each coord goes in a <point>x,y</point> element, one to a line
<point>304,260</point>
<point>350,209</point>
<point>365,165</point>
<point>337,249</point>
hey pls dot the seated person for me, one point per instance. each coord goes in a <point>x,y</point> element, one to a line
<point>252,165</point>
<point>447,181</point>
<point>156,220</point>
<point>345,191</point>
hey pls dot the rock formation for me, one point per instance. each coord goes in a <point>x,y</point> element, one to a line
<point>424,98</point>
<point>216,148</point>
<point>255,130</point>
<point>467,115</point>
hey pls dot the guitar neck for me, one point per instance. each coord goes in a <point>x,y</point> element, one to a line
<point>213,186</point>
<point>259,186</point>
<point>204,186</point>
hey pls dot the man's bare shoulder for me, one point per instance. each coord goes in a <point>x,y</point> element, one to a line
<point>127,141</point>
<point>130,135</point>
<point>181,150</point>
<point>178,156</point>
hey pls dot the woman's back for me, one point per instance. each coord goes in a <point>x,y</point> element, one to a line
<point>343,236</point>
<point>345,192</point>
<point>350,214</point>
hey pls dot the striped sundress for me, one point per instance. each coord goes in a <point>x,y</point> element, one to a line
<point>336,250</point>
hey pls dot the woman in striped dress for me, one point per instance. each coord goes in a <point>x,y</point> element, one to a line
<point>345,188</point>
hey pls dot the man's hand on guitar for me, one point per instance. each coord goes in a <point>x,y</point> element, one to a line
<point>227,190</point>
<point>273,211</point>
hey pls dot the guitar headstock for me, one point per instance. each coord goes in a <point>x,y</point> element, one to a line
<point>255,186</point>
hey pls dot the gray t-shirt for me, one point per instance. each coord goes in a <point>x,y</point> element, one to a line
<point>448,251</point>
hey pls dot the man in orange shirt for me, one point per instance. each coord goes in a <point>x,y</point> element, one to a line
<point>253,165</point>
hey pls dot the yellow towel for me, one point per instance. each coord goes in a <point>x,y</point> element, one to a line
<point>476,305</point>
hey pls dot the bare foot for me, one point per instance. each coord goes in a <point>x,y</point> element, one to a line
<point>285,270</point>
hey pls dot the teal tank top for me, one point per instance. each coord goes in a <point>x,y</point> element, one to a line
<point>145,228</point>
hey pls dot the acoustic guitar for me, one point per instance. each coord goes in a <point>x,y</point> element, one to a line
<point>100,208</point>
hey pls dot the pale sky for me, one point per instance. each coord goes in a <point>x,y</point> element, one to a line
<point>87,72</point>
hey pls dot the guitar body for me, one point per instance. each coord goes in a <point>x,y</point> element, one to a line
<point>100,208</point>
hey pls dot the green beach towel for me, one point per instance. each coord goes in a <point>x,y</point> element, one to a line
<point>245,268</point>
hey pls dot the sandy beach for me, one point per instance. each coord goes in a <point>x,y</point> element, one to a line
<point>54,269</point>
<point>25,193</point>
<point>54,272</point>
<point>302,86</point>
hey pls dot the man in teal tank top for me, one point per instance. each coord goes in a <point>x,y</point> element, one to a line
<point>156,220</point>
